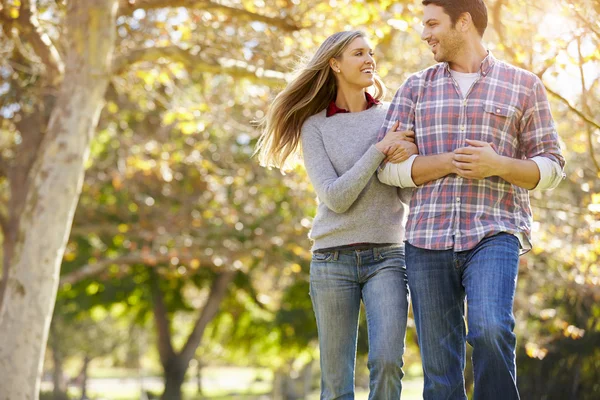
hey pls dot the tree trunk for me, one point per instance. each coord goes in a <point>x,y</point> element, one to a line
<point>175,364</point>
<point>84,377</point>
<point>59,391</point>
<point>199,390</point>
<point>174,378</point>
<point>55,184</point>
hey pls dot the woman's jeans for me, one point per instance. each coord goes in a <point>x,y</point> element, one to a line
<point>439,282</point>
<point>338,282</point>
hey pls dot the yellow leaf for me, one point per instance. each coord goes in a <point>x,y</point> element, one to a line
<point>579,148</point>
<point>92,288</point>
<point>186,32</point>
<point>164,78</point>
<point>169,118</point>
<point>187,128</point>
<point>112,107</point>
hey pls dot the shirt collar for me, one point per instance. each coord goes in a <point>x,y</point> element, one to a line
<point>332,109</point>
<point>485,67</point>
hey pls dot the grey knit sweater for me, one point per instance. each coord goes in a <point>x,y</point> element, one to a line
<point>341,159</point>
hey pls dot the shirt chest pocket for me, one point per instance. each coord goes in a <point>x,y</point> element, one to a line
<point>498,115</point>
<point>499,122</point>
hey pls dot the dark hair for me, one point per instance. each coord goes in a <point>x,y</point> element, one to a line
<point>454,8</point>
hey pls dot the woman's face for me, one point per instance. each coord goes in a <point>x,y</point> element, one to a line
<point>356,66</point>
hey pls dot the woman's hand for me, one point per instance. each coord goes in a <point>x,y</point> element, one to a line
<point>397,145</point>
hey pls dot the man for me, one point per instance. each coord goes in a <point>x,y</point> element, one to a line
<point>485,136</point>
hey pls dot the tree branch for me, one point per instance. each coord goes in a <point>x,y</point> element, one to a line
<point>163,325</point>
<point>127,7</point>
<point>496,11</point>
<point>90,270</point>
<point>218,291</point>
<point>580,113</point>
<point>3,225</point>
<point>194,63</point>
<point>585,22</point>
<point>583,116</point>
<point>40,41</point>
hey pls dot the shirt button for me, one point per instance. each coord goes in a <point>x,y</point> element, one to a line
<point>497,110</point>
<point>462,128</point>
<point>458,199</point>
<point>464,103</point>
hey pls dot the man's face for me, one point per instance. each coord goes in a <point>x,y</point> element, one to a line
<point>440,34</point>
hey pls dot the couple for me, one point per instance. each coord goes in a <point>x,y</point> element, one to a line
<point>485,137</point>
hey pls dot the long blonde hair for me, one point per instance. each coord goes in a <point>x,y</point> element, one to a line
<point>312,89</point>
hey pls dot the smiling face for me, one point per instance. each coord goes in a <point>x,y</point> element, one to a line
<point>356,65</point>
<point>440,34</point>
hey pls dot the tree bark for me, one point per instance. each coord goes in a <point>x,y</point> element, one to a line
<point>55,184</point>
<point>174,378</point>
<point>58,376</point>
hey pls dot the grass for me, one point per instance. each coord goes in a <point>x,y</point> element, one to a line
<point>218,383</point>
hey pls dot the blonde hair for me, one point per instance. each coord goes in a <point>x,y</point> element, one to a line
<point>310,91</point>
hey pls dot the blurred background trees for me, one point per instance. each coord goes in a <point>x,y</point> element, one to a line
<point>184,251</point>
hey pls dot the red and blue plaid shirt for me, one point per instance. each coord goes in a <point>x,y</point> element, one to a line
<point>506,106</point>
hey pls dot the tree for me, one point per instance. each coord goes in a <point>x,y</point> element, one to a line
<point>58,73</point>
<point>46,174</point>
<point>149,157</point>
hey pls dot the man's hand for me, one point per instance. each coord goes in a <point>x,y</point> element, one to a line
<point>477,161</point>
<point>400,151</point>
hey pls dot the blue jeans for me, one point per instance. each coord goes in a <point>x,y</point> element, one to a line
<point>439,282</point>
<point>338,282</point>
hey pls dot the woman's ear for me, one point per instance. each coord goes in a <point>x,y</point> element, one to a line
<point>333,64</point>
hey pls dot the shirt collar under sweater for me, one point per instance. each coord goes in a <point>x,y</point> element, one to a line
<point>333,109</point>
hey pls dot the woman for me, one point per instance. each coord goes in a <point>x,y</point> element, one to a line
<point>358,230</point>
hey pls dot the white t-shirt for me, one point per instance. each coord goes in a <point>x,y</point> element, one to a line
<point>464,80</point>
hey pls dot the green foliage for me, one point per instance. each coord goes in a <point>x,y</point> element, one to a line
<point>171,186</point>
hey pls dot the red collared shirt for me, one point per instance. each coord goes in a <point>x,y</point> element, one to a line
<point>332,109</point>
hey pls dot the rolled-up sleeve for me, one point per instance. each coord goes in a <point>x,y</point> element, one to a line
<point>540,140</point>
<point>398,174</point>
<point>551,173</point>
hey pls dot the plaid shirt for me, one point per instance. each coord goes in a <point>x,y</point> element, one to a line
<point>506,106</point>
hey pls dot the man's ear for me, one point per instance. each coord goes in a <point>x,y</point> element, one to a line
<point>464,22</point>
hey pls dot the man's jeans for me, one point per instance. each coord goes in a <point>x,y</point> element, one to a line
<point>439,282</point>
<point>338,282</point>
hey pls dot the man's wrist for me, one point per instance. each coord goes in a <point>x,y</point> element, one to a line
<point>502,167</point>
<point>448,164</point>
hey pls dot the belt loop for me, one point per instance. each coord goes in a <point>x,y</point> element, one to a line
<point>336,255</point>
<point>376,253</point>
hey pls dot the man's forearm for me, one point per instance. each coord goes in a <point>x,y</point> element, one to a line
<point>429,168</point>
<point>522,173</point>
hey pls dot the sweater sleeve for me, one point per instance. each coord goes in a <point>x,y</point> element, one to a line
<point>337,192</point>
